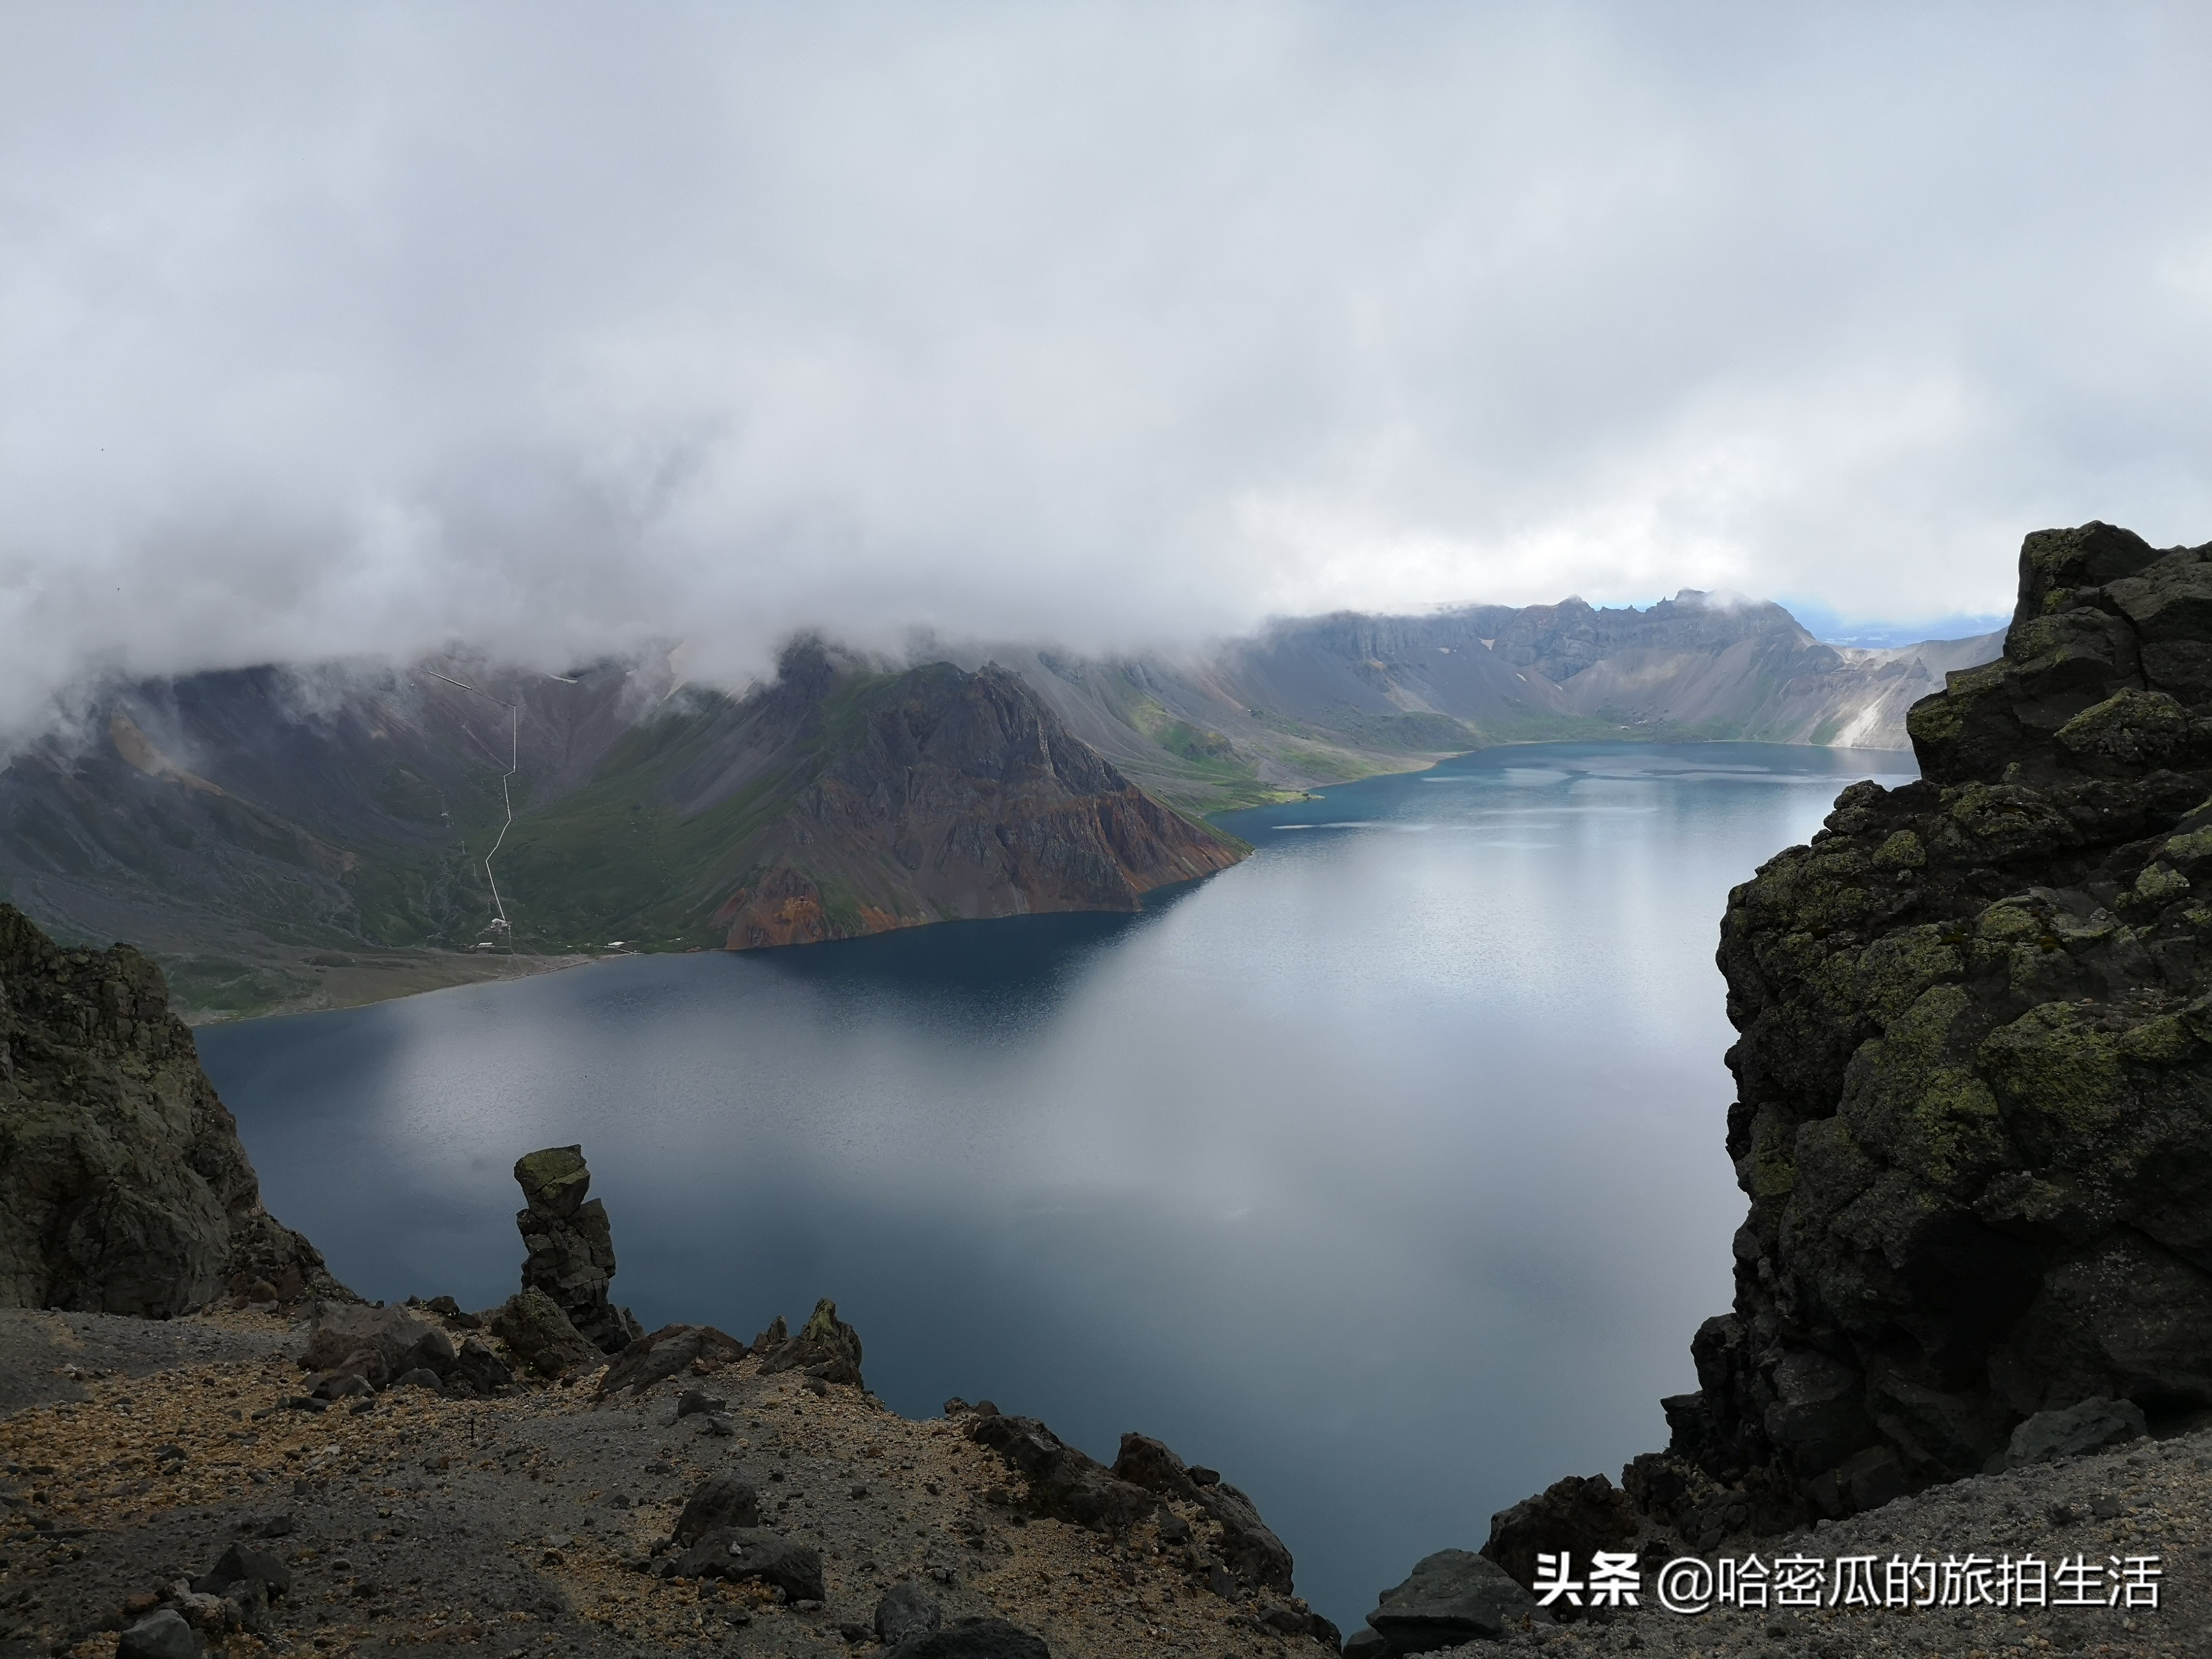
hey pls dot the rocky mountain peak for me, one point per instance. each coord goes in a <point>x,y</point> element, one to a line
<point>943,794</point>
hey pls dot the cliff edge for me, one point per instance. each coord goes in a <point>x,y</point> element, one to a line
<point>123,1186</point>
<point>1976,1063</point>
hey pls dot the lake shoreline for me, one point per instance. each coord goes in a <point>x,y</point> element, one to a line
<point>1114,1168</point>
<point>368,977</point>
<point>356,985</point>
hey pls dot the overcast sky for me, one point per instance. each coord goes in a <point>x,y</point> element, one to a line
<point>330,329</point>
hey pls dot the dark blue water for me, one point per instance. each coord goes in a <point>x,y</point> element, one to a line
<point>1383,1172</point>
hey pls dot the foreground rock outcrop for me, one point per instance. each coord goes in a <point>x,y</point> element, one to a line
<point>122,1185</point>
<point>827,1350</point>
<point>1976,1065</point>
<point>571,1246</point>
<point>1973,1120</point>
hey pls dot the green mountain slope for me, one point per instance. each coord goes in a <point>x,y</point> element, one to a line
<point>275,849</point>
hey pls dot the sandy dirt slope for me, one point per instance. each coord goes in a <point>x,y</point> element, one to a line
<point>135,1452</point>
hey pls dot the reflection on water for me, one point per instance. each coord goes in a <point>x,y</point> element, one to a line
<point>1383,1172</point>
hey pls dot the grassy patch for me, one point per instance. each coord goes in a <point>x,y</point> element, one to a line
<point>209,987</point>
<point>1408,733</point>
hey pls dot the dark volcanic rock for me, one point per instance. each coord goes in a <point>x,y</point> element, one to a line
<point>479,1370</point>
<point>122,1185</point>
<point>659,1355</point>
<point>1975,1060</point>
<point>1252,1551</point>
<point>1450,1598</point>
<point>238,1564</point>
<point>162,1635</point>
<point>739,1553</point>
<point>2090,1426</point>
<point>726,1499</point>
<point>972,1639</point>
<point>376,1342</point>
<point>539,1335</point>
<point>1064,1484</point>
<point>572,1250</point>
<point>905,1610</point>
<point>825,1347</point>
<point>1246,1543</point>
<point>1146,1462</point>
<point>1578,1514</point>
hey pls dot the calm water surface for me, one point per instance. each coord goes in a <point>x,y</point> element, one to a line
<point>1383,1172</point>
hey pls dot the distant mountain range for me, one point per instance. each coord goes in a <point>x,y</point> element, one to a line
<point>1326,698</point>
<point>306,836</point>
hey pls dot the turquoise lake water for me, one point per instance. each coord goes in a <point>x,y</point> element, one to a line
<point>1383,1172</point>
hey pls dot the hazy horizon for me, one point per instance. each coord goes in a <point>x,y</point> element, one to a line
<point>66,714</point>
<point>348,332</point>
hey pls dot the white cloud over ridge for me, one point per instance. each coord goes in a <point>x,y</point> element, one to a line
<point>351,329</point>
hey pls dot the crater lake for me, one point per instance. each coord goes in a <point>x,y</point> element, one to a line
<point>1383,1172</point>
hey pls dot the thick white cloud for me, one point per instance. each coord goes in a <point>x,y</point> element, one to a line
<point>335,329</point>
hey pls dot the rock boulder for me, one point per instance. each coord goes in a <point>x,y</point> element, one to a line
<point>661,1354</point>
<point>1452,1597</point>
<point>2090,1426</point>
<point>161,1635</point>
<point>727,1500</point>
<point>1247,1545</point>
<point>1064,1483</point>
<point>972,1639</point>
<point>905,1610</point>
<point>539,1335</point>
<point>1579,1515</point>
<point>401,1340</point>
<point>742,1552</point>
<point>479,1370</point>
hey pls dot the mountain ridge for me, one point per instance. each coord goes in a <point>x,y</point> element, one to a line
<point>259,840</point>
<point>1322,700</point>
<point>314,836</point>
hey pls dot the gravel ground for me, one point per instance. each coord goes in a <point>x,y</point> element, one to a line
<point>522,1526</point>
<point>47,1357</point>
<point>2152,1497</point>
